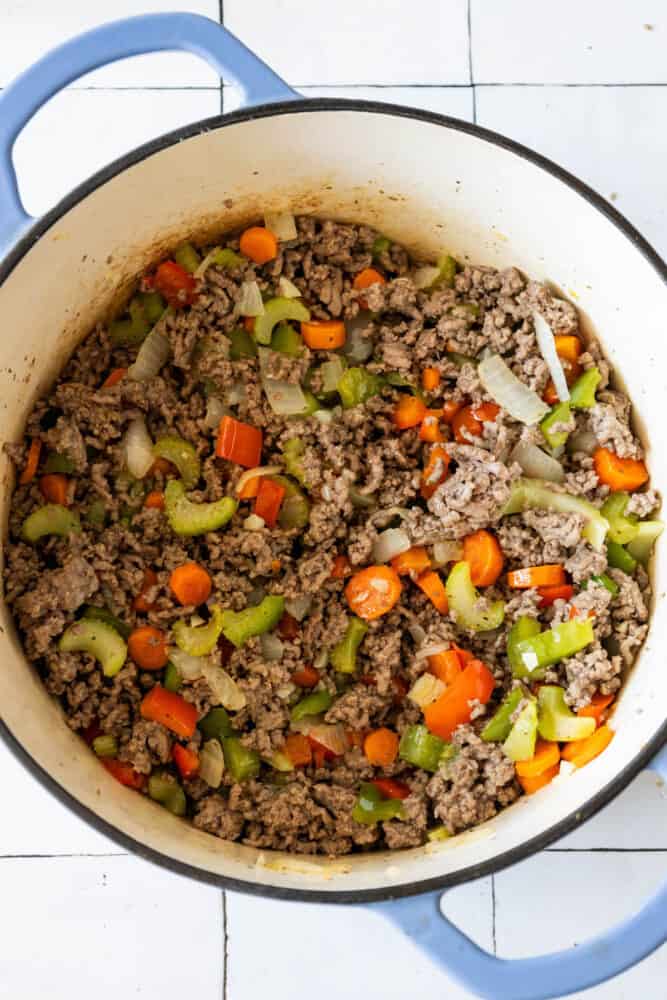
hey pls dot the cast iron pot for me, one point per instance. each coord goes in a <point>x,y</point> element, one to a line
<point>430,182</point>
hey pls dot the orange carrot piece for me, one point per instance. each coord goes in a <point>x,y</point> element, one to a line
<point>373,591</point>
<point>249,323</point>
<point>123,772</point>
<point>413,562</point>
<point>581,752</point>
<point>32,462</point>
<point>54,487</point>
<point>341,568</point>
<point>619,473</point>
<point>568,347</point>
<point>113,378</point>
<point>446,666</point>
<point>381,747</point>
<point>170,710</point>
<point>324,334</point>
<point>449,410</point>
<point>484,556</point>
<point>532,785</point>
<point>550,395</point>
<point>597,707</point>
<point>431,379</point>
<point>187,761</point>
<point>430,427</point>
<point>409,412</point>
<point>486,412</point>
<point>391,789</point>
<point>176,284</point>
<point>250,488</point>
<point>306,677</point>
<point>154,500</point>
<point>140,603</point>
<point>546,756</point>
<point>559,592</point>
<point>453,707</point>
<point>259,244</point>
<point>367,277</point>
<point>239,442</point>
<point>435,472</point>
<point>551,575</point>
<point>269,501</point>
<point>297,749</point>
<point>464,423</point>
<point>432,585</point>
<point>148,647</point>
<point>190,584</point>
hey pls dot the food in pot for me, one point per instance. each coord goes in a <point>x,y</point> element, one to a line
<point>329,550</point>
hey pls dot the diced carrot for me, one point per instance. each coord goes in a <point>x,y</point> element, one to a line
<point>276,565</point>
<point>298,749</point>
<point>559,592</point>
<point>409,412</point>
<point>239,442</point>
<point>54,487</point>
<point>154,500</point>
<point>355,738</point>
<point>148,647</point>
<point>369,276</point>
<point>269,501</point>
<point>190,584</point>
<point>373,591</point>
<point>123,772</point>
<point>391,789</point>
<point>175,283</point>
<point>446,665</point>
<point>431,379</point>
<point>449,410</point>
<point>432,585</point>
<point>381,747</point>
<point>430,427</point>
<point>341,568</point>
<point>598,705</point>
<point>140,603</point>
<point>568,347</point>
<point>545,756</point>
<point>320,753</point>
<point>259,244</point>
<point>619,473</point>
<point>113,378</point>
<point>288,627</point>
<point>484,556</point>
<point>250,488</point>
<point>551,575</point>
<point>463,654</point>
<point>454,706</point>
<point>486,413</point>
<point>306,677</point>
<point>550,396</point>
<point>249,323</point>
<point>532,785</point>
<point>580,613</point>
<point>32,462</point>
<point>187,761</point>
<point>324,334</point>
<point>435,472</point>
<point>413,562</point>
<point>581,752</point>
<point>170,710</point>
<point>471,418</point>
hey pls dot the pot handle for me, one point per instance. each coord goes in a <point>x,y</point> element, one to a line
<point>542,978</point>
<point>106,44</point>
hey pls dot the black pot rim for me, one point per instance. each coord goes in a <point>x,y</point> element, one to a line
<point>504,860</point>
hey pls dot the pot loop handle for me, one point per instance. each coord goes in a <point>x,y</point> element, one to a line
<point>542,978</point>
<point>106,44</point>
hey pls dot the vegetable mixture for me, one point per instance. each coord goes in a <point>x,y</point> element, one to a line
<point>328,550</point>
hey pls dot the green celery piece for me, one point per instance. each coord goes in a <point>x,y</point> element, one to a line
<point>58,463</point>
<point>420,747</point>
<point>533,655</point>
<point>463,599</point>
<point>604,581</point>
<point>181,454</point>
<point>187,257</point>
<point>312,704</point>
<point>330,374</point>
<point>556,720</point>
<point>172,679</point>
<point>312,405</point>
<point>520,744</point>
<point>619,558</point>
<point>287,340</point>
<point>51,519</point>
<point>239,626</point>
<point>293,451</point>
<point>498,727</point>
<point>622,527</point>
<point>582,393</point>
<point>241,763</point>
<point>153,305</point>
<point>461,359</point>
<point>523,628</point>
<point>105,745</point>
<point>242,344</point>
<point>533,494</point>
<point>96,514</point>
<point>295,508</point>
<point>558,414</point>
<point>371,808</point>
<point>343,656</point>
<point>199,640</point>
<point>437,833</point>
<point>227,258</point>
<point>168,793</point>
<point>97,639</point>
<point>641,546</point>
<point>126,333</point>
<point>277,311</point>
<point>399,381</point>
<point>280,762</point>
<point>380,245</point>
<point>93,613</point>
<point>357,385</point>
<point>216,724</point>
<point>144,310</point>
<point>448,268</point>
<point>188,518</point>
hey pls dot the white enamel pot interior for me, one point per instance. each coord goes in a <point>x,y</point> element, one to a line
<point>428,182</point>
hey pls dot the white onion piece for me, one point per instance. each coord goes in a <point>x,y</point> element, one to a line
<point>324,416</point>
<point>321,659</point>
<point>259,470</point>
<point>253,522</point>
<point>536,463</point>
<point>432,649</point>
<point>425,276</point>
<point>417,632</point>
<point>189,667</point>
<point>357,347</point>
<point>583,440</point>
<point>425,690</point>
<point>226,691</point>
<point>206,262</point>
<point>211,763</point>
<point>138,448</point>
<point>215,411</point>
<point>286,399</point>
<point>390,543</point>
<point>330,737</point>
<point>331,372</point>
<point>152,357</point>
<point>509,392</point>
<point>272,646</point>
<point>446,551</point>
<point>547,345</point>
<point>235,394</point>
<point>250,302</point>
<point>281,224</point>
<point>298,607</point>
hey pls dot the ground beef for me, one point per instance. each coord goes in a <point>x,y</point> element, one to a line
<point>589,671</point>
<point>475,494</point>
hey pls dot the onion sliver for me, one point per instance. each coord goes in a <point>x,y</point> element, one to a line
<point>547,345</point>
<point>211,763</point>
<point>583,440</point>
<point>226,691</point>
<point>189,667</point>
<point>432,649</point>
<point>298,607</point>
<point>259,470</point>
<point>281,224</point>
<point>287,289</point>
<point>286,399</point>
<point>509,392</point>
<point>425,276</point>
<point>152,357</point>
<point>138,448</point>
<point>536,463</point>
<point>250,303</point>
<point>390,543</point>
<point>272,647</point>
<point>425,690</point>
<point>447,551</point>
<point>254,522</point>
<point>330,737</point>
<point>215,411</point>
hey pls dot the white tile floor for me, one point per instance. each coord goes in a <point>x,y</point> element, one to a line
<point>81,918</point>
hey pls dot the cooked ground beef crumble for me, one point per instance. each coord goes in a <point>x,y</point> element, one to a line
<point>357,475</point>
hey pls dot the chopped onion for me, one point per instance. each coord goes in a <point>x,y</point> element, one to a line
<point>417,632</point>
<point>447,551</point>
<point>390,543</point>
<point>287,289</point>
<point>425,276</point>
<point>206,262</point>
<point>583,440</point>
<point>254,522</point>
<point>259,470</point>
<point>425,690</point>
<point>286,399</point>
<point>324,416</point>
<point>138,448</point>
<point>189,667</point>
<point>153,355</point>
<point>547,345</point>
<point>326,493</point>
<point>357,347</point>
<point>250,303</point>
<point>536,463</point>
<point>215,411</point>
<point>272,646</point>
<point>321,659</point>
<point>235,394</point>
<point>331,372</point>
<point>211,763</point>
<point>330,737</point>
<point>509,392</point>
<point>281,224</point>
<point>298,607</point>
<point>226,691</point>
<point>432,649</point>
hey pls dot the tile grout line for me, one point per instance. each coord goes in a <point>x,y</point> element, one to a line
<point>493,914</point>
<point>225,953</point>
<point>470,64</point>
